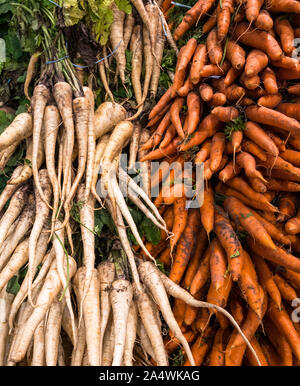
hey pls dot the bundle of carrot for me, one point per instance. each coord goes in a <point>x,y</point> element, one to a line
<point>233,107</point>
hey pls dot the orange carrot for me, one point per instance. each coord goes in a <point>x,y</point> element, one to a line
<point>242,215</point>
<point>203,153</point>
<point>206,92</point>
<point>255,63</point>
<point>163,152</point>
<point>254,149</point>
<point>180,220</point>
<point>230,243</point>
<point>185,247</point>
<point>264,20</point>
<point>195,108</point>
<point>286,33</point>
<point>261,40</point>
<point>199,61</point>
<point>174,115</point>
<point>292,226</point>
<point>200,246</point>
<point>229,172</point>
<point>270,101</point>
<point>266,279</point>
<point>287,206</point>
<point>164,100</point>
<point>288,293</point>
<point>236,55</point>
<point>202,273</point>
<point>273,118</point>
<point>218,264</point>
<point>224,12</point>
<point>207,210</point>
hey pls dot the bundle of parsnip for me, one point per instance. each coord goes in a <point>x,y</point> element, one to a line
<point>234,107</point>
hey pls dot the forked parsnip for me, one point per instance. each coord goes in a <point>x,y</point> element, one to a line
<point>52,332</point>
<point>19,129</point>
<point>17,202</point>
<point>121,297</point>
<point>148,316</point>
<point>26,172</point>
<point>144,339</point>
<point>136,48</point>
<point>52,122</point>
<point>159,49</point>
<point>91,312</point>
<point>41,216</point>
<point>22,293</point>
<point>128,29</point>
<point>50,289</point>
<point>39,101</point>
<point>6,154</point>
<point>24,224</point>
<point>103,77</point>
<point>155,286</point>
<point>106,271</point>
<point>9,190</point>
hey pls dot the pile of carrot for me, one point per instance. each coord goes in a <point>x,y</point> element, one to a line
<point>233,109</point>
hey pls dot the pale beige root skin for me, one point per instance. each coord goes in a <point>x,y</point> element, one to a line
<point>38,352</point>
<point>107,115</point>
<point>40,98</point>
<point>22,293</point>
<point>144,340</point>
<point>52,332</point>
<point>153,282</point>
<point>62,93</point>
<point>6,300</point>
<point>108,344</point>
<point>13,211</point>
<point>79,349</point>
<point>159,50</point>
<point>130,335</point>
<point>91,313</point>
<point>120,297</point>
<point>6,154</point>
<point>91,143</point>
<point>87,224</point>
<point>101,68</point>
<point>128,29</point>
<point>136,47</point>
<point>19,129</point>
<point>101,145</point>
<point>51,123</point>
<point>9,190</point>
<point>134,146</point>
<point>106,271</point>
<point>41,216</point>
<point>61,260</point>
<point>145,167</point>
<point>117,39</point>
<point>26,172</point>
<point>24,224</point>
<point>51,288</point>
<point>149,320</point>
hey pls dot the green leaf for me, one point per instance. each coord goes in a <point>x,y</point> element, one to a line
<point>5,120</point>
<point>13,45</point>
<point>13,285</point>
<point>237,124</point>
<point>124,5</point>
<point>150,230</point>
<point>72,13</point>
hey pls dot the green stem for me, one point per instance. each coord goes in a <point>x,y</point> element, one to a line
<point>24,7</point>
